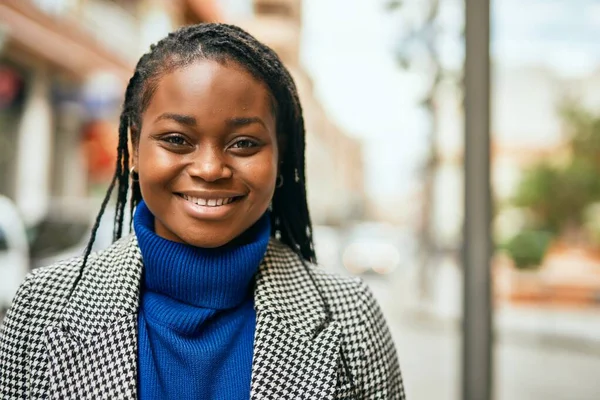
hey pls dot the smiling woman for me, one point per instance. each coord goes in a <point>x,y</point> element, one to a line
<point>191,156</point>
<point>215,294</point>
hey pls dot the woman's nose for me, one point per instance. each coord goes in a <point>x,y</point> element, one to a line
<point>209,165</point>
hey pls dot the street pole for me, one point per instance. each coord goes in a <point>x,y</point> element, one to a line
<point>477,361</point>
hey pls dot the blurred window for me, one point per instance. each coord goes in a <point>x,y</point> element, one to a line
<point>236,9</point>
<point>130,5</point>
<point>273,8</point>
<point>13,91</point>
<point>56,7</point>
<point>3,240</point>
<point>114,24</point>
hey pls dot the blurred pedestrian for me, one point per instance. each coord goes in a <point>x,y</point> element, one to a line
<point>215,294</point>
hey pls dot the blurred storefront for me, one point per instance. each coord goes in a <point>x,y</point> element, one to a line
<point>528,130</point>
<point>12,96</point>
<point>64,65</point>
<point>52,58</point>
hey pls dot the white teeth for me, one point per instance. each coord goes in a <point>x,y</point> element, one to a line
<point>209,202</point>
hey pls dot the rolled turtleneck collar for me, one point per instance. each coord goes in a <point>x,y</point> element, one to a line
<point>217,278</point>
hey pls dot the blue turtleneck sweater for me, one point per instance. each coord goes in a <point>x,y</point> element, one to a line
<point>196,320</point>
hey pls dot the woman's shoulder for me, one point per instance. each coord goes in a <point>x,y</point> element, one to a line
<point>344,294</point>
<point>46,290</point>
<point>56,280</point>
<point>53,278</point>
<point>305,296</point>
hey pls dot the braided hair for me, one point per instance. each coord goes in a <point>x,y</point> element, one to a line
<point>290,218</point>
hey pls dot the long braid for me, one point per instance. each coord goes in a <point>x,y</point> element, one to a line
<point>88,248</point>
<point>119,179</point>
<point>122,174</point>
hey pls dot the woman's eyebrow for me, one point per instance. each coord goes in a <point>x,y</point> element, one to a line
<point>242,121</point>
<point>179,118</point>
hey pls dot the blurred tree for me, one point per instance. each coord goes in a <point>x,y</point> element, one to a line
<point>536,192</point>
<point>393,5</point>
<point>528,248</point>
<point>583,130</point>
<point>558,196</point>
<point>417,49</point>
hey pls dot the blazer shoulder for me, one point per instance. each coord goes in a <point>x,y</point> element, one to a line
<point>344,294</point>
<point>51,280</point>
<point>368,343</point>
<point>55,281</point>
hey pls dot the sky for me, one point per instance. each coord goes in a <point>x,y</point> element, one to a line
<point>362,89</point>
<point>347,49</point>
<point>562,34</point>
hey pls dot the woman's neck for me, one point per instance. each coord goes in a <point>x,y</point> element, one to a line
<point>214,278</point>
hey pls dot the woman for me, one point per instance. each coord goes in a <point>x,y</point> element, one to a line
<point>214,294</point>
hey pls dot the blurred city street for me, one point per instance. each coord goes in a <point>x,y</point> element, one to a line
<point>383,86</point>
<point>530,364</point>
<point>550,354</point>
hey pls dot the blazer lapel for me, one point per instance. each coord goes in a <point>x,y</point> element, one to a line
<point>296,350</point>
<point>92,351</point>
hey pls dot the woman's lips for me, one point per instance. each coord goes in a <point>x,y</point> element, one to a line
<point>208,208</point>
<point>212,202</point>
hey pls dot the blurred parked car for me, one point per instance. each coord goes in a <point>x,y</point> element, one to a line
<point>14,252</point>
<point>327,241</point>
<point>65,231</point>
<point>372,247</point>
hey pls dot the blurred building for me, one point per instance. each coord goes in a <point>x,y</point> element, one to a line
<point>334,159</point>
<point>526,128</point>
<point>64,65</point>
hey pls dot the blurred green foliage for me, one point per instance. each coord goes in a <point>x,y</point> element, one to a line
<point>528,248</point>
<point>558,194</point>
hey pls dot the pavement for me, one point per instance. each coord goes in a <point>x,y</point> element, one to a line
<point>572,330</point>
<point>549,354</point>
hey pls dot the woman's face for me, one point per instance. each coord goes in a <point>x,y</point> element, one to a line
<point>207,153</point>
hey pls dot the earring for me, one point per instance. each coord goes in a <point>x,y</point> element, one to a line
<point>279,181</point>
<point>134,175</point>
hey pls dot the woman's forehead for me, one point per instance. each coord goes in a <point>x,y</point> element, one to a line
<point>210,89</point>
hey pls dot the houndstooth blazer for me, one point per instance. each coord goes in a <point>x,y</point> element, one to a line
<point>85,346</point>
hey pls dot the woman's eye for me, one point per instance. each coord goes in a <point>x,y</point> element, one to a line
<point>175,140</point>
<point>244,144</point>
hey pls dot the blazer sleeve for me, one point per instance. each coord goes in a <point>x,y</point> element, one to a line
<point>14,344</point>
<point>380,376</point>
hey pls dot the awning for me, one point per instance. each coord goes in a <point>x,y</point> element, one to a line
<point>60,42</point>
